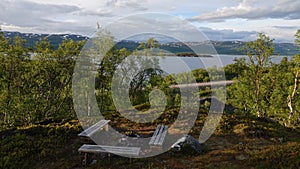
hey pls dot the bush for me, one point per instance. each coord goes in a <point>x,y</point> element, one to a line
<point>23,147</point>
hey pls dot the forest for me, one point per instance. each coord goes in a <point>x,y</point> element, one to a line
<point>39,125</point>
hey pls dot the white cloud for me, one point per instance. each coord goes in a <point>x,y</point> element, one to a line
<point>81,16</point>
<point>279,29</point>
<point>254,9</point>
<point>35,15</point>
<point>6,26</point>
<point>99,12</point>
<point>133,4</point>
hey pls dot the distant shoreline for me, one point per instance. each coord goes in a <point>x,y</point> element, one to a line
<point>192,55</point>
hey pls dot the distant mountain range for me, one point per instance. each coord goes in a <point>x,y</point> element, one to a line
<point>222,47</point>
<point>54,39</point>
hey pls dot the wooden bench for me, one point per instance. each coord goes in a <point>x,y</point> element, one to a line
<point>89,149</point>
<point>159,136</point>
<point>94,128</point>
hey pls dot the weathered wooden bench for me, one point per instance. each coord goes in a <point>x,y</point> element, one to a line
<point>159,136</point>
<point>90,149</point>
<point>94,128</point>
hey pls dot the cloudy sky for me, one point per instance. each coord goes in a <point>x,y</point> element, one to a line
<point>218,19</point>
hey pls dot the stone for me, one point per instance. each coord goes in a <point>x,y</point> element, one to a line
<point>186,141</point>
<point>241,157</point>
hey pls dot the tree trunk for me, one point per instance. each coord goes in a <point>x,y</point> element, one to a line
<point>257,100</point>
<point>88,106</point>
<point>289,103</point>
<point>290,98</point>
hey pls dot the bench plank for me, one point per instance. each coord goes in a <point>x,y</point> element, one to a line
<point>87,148</point>
<point>162,136</point>
<point>94,128</point>
<point>154,135</point>
<point>159,135</point>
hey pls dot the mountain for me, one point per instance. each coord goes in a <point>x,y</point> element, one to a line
<point>233,48</point>
<point>222,47</point>
<point>54,39</point>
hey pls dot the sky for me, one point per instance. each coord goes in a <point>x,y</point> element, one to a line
<point>219,20</point>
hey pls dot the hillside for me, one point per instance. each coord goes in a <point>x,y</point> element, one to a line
<point>222,47</point>
<point>39,126</point>
<point>239,142</point>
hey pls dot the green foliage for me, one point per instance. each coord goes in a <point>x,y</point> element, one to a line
<point>265,89</point>
<point>252,87</point>
<point>23,147</point>
<point>113,59</point>
<point>259,53</point>
<point>234,70</point>
<point>297,37</point>
<point>36,87</point>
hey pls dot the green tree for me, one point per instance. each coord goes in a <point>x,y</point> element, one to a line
<point>152,43</point>
<point>233,70</point>
<point>36,86</point>
<point>251,89</point>
<point>297,37</point>
<point>112,59</point>
<point>14,58</point>
<point>292,90</point>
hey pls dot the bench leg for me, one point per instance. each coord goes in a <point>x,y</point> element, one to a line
<point>106,127</point>
<point>87,158</point>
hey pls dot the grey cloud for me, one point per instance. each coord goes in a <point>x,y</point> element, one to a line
<point>133,4</point>
<point>30,14</point>
<point>100,13</point>
<point>165,25</point>
<point>228,34</point>
<point>169,26</point>
<point>69,28</point>
<point>288,9</point>
<point>286,27</point>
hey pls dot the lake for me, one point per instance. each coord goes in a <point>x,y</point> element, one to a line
<point>181,64</point>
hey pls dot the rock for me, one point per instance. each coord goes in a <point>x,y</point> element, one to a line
<point>132,134</point>
<point>93,162</point>
<point>124,141</point>
<point>187,141</point>
<point>280,139</point>
<point>241,157</point>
